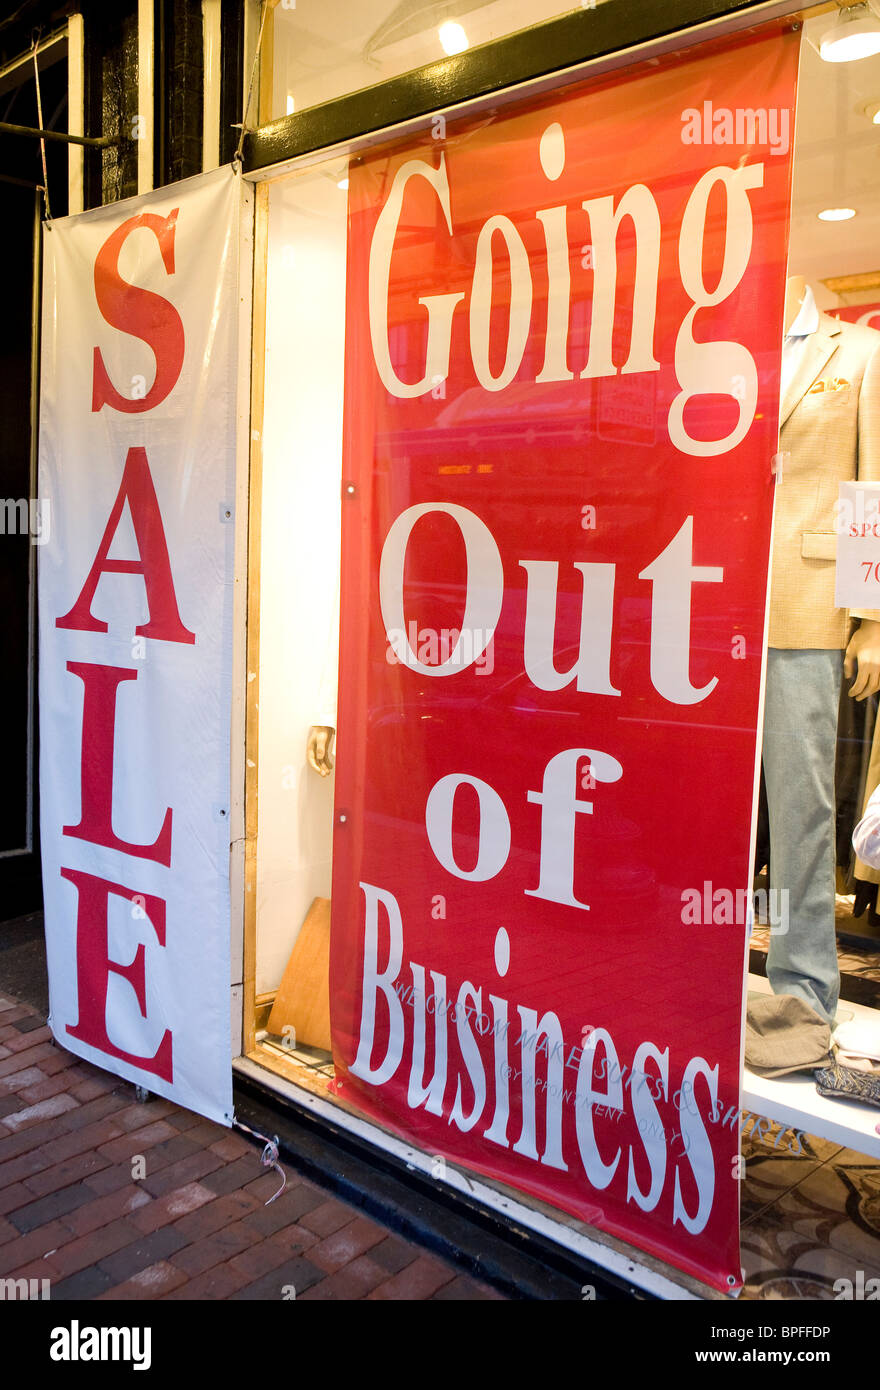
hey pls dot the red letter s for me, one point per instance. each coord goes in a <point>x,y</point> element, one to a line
<point>141,313</point>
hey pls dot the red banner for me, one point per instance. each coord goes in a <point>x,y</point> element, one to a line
<point>562,378</point>
<point>859,313</point>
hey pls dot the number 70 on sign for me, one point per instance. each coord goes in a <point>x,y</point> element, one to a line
<point>855,545</point>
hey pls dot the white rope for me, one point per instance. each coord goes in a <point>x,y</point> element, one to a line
<point>36,39</point>
<point>237,157</point>
<point>269,1156</point>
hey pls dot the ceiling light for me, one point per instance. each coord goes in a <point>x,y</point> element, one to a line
<point>836,214</point>
<point>453,37</point>
<point>343,183</point>
<point>854,34</point>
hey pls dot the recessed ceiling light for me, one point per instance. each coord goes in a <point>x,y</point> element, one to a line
<point>836,214</point>
<point>854,34</point>
<point>453,37</point>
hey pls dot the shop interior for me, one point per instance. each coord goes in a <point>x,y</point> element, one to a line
<point>835,232</point>
<point>835,219</point>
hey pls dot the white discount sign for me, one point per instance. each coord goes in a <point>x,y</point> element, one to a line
<point>857,578</point>
<point>137,468</point>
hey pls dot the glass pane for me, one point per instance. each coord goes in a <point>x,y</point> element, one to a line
<point>325,48</point>
<point>573,383</point>
<point>517,456</point>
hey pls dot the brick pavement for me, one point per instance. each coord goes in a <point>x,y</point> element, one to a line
<point>188,1221</point>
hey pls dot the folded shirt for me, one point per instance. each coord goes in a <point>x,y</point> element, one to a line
<point>866,836</point>
<point>859,1036</point>
<point>854,1062</point>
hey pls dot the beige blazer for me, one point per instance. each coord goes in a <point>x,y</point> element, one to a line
<point>829,433</point>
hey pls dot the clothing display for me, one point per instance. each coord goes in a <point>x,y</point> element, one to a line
<point>853,1062</point>
<point>865,872</point>
<point>866,836</point>
<point>800,733</point>
<point>855,762</point>
<point>784,1035</point>
<point>856,729</point>
<point>840,1083</point>
<point>860,1037</point>
<point>830,433</point>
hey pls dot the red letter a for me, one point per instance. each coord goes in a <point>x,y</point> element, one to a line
<point>137,489</point>
<point>93,967</point>
<point>96,773</point>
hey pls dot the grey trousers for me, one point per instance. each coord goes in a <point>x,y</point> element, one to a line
<point>800,742</point>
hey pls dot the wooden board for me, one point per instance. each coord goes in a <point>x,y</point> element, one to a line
<point>252,713</point>
<point>303,998</point>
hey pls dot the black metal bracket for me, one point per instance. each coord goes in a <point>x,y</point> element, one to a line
<point>100,142</point>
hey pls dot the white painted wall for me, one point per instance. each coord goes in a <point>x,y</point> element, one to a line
<point>302,461</point>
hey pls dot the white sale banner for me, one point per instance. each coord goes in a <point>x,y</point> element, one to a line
<point>138,412</point>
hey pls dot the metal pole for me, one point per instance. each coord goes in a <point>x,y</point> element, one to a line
<point>36,309</point>
<point>101,142</point>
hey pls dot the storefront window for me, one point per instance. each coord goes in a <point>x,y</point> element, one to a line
<point>321,49</point>
<point>546,428</point>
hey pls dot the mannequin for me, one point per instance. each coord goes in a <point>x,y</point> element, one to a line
<point>319,740</point>
<point>319,745</point>
<point>829,432</point>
